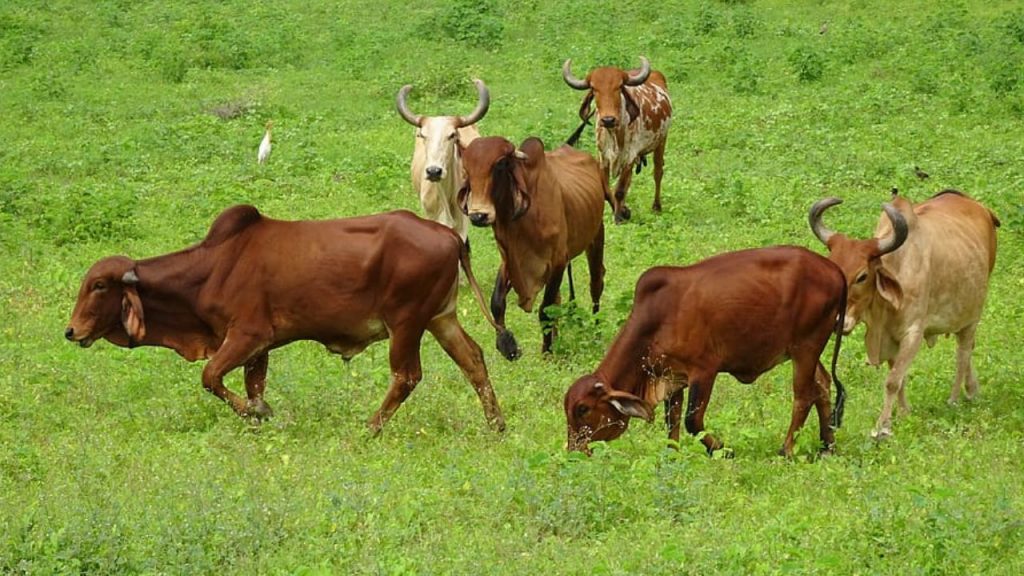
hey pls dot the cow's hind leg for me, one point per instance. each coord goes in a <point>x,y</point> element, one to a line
<point>805,394</point>
<point>965,374</point>
<point>255,384</point>
<point>406,373</point>
<point>467,354</point>
<point>659,170</point>
<point>239,348</point>
<point>595,262</point>
<point>697,402</point>
<point>823,405</point>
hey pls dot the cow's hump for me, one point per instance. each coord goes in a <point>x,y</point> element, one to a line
<point>230,223</point>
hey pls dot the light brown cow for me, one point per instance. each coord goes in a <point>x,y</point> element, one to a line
<point>634,113</point>
<point>255,283</point>
<point>925,273</point>
<point>545,209</point>
<point>436,166</point>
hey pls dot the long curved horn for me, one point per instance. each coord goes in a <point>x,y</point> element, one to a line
<point>899,230</point>
<point>572,80</point>
<point>403,108</point>
<point>641,76</point>
<point>814,218</point>
<point>483,102</point>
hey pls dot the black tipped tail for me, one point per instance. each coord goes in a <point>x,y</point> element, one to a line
<point>507,345</point>
<point>840,407</point>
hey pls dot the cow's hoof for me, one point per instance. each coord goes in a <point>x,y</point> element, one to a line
<point>881,434</point>
<point>508,346</point>
<point>656,207</point>
<point>623,215</point>
<point>257,409</point>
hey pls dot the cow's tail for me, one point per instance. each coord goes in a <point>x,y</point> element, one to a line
<point>505,337</point>
<point>840,405</point>
<point>575,136</point>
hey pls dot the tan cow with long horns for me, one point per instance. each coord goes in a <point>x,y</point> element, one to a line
<point>436,165</point>
<point>634,112</point>
<point>924,273</point>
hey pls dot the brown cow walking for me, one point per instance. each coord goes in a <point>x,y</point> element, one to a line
<point>255,283</point>
<point>924,273</point>
<point>742,313</point>
<point>634,113</point>
<point>545,209</point>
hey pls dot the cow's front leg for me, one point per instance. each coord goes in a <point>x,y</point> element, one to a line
<point>552,295</point>
<point>238,348</point>
<point>697,403</point>
<point>506,342</point>
<point>674,413</point>
<point>406,373</point>
<point>622,212</point>
<point>255,384</point>
<point>894,382</point>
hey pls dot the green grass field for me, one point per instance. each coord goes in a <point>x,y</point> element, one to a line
<point>128,126</point>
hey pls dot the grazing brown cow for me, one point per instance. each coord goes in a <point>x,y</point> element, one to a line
<point>924,273</point>
<point>256,283</point>
<point>634,112</point>
<point>545,208</point>
<point>436,166</point>
<point>742,313</point>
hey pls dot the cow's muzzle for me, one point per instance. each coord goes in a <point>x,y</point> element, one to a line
<point>69,333</point>
<point>609,121</point>
<point>480,219</point>
<point>434,173</point>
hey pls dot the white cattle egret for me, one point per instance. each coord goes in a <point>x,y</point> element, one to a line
<point>264,151</point>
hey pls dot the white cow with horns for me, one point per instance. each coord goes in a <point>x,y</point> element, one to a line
<point>436,161</point>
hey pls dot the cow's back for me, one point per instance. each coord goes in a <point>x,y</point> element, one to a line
<point>944,265</point>
<point>578,177</point>
<point>326,275</point>
<point>739,312</point>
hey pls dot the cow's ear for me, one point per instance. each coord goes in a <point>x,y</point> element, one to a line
<point>631,108</point>
<point>629,405</point>
<point>463,198</point>
<point>520,193</point>
<point>888,287</point>
<point>585,106</point>
<point>132,317</point>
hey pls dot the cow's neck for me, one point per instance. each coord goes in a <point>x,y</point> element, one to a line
<point>528,245</point>
<point>169,289</point>
<point>631,367</point>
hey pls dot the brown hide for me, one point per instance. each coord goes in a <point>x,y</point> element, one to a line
<point>256,283</point>
<point>933,283</point>
<point>545,208</point>
<point>631,121</point>
<point>740,313</point>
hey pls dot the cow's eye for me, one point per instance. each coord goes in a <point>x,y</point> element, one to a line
<point>453,135</point>
<point>419,134</point>
<point>99,286</point>
<point>581,410</point>
<point>861,278</point>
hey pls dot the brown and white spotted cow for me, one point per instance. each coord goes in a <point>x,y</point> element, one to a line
<point>634,112</point>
